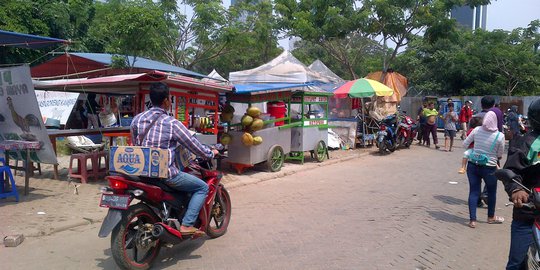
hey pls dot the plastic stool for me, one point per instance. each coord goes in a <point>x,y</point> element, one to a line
<point>82,170</point>
<point>96,163</point>
<point>5,169</point>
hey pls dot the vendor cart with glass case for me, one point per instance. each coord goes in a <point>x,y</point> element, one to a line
<point>311,133</point>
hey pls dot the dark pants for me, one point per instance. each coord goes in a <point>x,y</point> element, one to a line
<point>476,173</point>
<point>430,129</point>
<point>521,237</point>
<point>420,131</point>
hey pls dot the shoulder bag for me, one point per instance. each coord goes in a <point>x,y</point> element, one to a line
<point>480,158</point>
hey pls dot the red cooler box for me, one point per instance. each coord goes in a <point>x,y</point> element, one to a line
<point>278,110</point>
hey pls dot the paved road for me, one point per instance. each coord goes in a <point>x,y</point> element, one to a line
<point>375,212</point>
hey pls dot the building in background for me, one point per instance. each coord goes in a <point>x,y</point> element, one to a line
<point>471,18</point>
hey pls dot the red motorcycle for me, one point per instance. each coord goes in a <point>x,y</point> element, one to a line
<point>139,230</point>
<point>406,131</point>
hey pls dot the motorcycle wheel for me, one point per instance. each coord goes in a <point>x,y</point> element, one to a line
<point>392,147</point>
<point>382,148</point>
<point>132,245</point>
<point>532,258</point>
<point>220,215</point>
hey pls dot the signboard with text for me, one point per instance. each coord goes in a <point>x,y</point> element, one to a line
<point>20,117</point>
<point>56,105</point>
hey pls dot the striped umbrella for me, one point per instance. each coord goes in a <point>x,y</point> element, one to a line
<point>362,88</point>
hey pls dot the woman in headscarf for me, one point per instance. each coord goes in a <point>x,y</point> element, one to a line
<point>487,141</point>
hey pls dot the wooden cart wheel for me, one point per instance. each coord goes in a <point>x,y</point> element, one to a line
<point>320,151</point>
<point>275,158</point>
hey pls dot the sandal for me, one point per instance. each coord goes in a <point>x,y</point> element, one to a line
<point>472,224</point>
<point>495,220</point>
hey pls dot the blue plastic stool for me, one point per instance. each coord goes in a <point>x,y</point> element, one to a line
<point>4,168</point>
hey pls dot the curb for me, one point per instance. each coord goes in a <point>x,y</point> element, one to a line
<point>236,183</point>
<point>61,227</point>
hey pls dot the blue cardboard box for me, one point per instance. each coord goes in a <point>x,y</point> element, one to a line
<point>139,161</point>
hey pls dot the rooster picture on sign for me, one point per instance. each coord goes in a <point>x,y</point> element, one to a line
<point>24,123</point>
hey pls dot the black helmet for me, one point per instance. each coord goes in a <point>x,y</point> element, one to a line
<point>534,115</point>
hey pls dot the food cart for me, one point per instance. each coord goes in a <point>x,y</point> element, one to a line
<point>276,134</point>
<point>197,109</point>
<point>312,132</point>
<point>201,99</point>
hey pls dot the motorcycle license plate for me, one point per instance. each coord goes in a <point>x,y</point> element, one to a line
<point>115,201</point>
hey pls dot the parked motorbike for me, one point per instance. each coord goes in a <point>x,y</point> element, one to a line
<point>406,131</point>
<point>386,136</point>
<point>533,204</point>
<point>139,230</point>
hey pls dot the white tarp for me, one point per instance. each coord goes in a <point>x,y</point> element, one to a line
<point>319,66</point>
<point>214,75</point>
<point>285,68</point>
<point>56,105</point>
<point>20,118</point>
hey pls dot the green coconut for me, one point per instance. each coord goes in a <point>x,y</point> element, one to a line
<point>247,139</point>
<point>257,140</point>
<point>257,124</point>
<point>253,111</point>
<point>225,139</point>
<point>246,120</point>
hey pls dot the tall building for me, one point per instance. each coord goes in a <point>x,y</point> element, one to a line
<point>471,18</point>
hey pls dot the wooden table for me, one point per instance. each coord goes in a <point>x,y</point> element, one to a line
<point>13,145</point>
<point>55,133</point>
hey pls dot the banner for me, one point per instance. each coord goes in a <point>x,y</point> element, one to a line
<point>56,105</point>
<point>20,118</point>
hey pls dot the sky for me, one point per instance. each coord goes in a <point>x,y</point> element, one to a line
<point>511,14</point>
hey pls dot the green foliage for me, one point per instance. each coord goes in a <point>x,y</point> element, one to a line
<point>474,63</point>
<point>130,28</point>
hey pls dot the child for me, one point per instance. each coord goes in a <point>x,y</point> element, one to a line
<point>450,119</point>
<point>473,123</point>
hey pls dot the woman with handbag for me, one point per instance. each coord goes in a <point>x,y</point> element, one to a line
<point>488,149</point>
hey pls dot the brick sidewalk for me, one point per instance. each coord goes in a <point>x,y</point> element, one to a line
<point>57,205</point>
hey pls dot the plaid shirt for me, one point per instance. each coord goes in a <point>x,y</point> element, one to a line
<point>167,133</point>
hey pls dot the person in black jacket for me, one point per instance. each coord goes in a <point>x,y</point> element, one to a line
<point>524,160</point>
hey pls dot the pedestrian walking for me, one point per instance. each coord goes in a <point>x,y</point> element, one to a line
<point>450,120</point>
<point>465,115</point>
<point>482,163</point>
<point>431,124</point>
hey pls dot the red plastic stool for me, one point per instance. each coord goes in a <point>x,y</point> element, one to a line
<point>96,163</point>
<point>82,170</point>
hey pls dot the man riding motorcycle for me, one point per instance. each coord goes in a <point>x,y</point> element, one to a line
<point>155,128</point>
<point>524,160</point>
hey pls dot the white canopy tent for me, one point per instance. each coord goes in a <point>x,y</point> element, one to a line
<point>285,68</point>
<point>320,67</point>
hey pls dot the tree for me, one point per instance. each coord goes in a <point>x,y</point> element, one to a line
<point>473,63</point>
<point>395,21</point>
<point>58,19</point>
<point>249,37</point>
<point>359,63</point>
<point>332,25</point>
<point>129,28</point>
